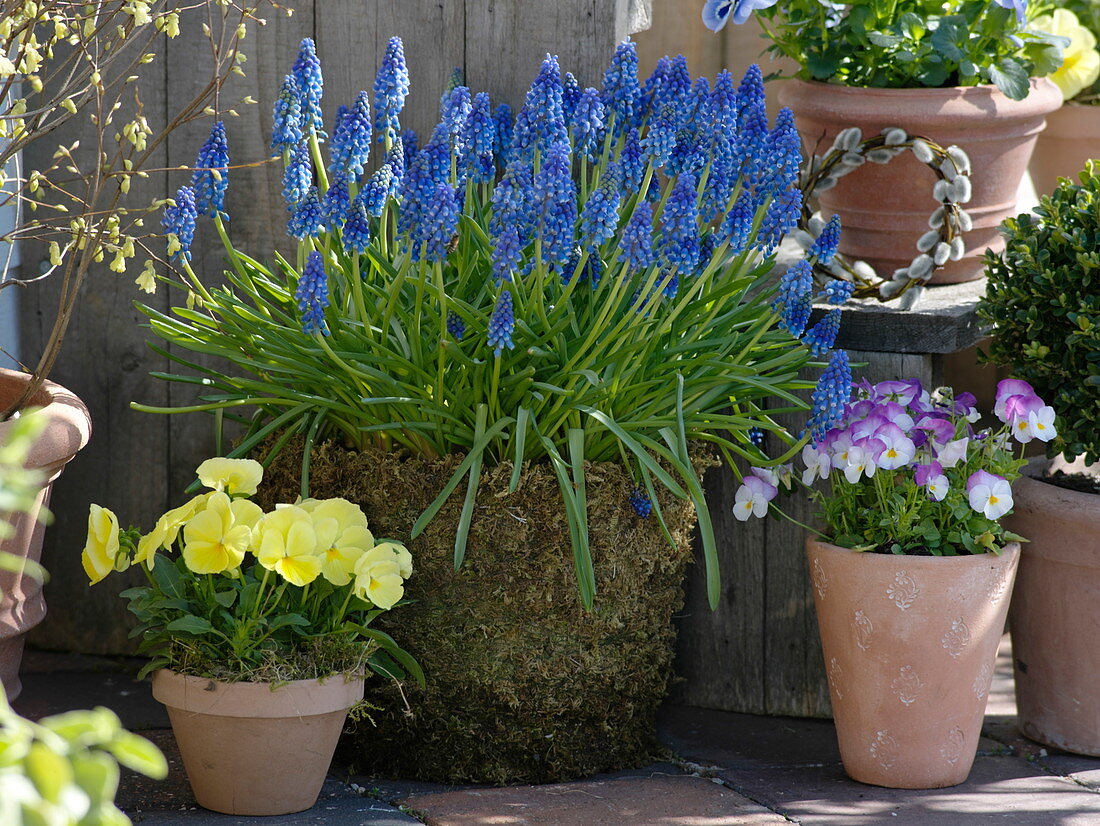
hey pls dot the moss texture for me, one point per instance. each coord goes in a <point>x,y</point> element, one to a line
<point>524,685</point>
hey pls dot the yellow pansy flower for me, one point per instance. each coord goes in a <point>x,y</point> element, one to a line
<point>233,476</point>
<point>152,542</point>
<point>287,544</point>
<point>1081,66</point>
<point>378,577</point>
<point>342,536</point>
<point>213,540</point>
<point>166,530</point>
<point>100,553</point>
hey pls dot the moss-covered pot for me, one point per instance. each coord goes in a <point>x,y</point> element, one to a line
<point>524,685</point>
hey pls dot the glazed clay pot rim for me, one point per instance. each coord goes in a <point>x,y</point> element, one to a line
<point>70,424</point>
<point>916,559</point>
<point>296,698</point>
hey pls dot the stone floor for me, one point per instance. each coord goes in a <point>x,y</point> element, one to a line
<point>720,769</point>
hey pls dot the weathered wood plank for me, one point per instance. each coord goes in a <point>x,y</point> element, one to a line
<point>720,654</point>
<point>106,363</point>
<point>509,38</point>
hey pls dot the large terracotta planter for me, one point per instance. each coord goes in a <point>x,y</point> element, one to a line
<point>1071,138</point>
<point>909,643</point>
<point>884,209</point>
<point>255,749</point>
<point>1055,616</point>
<point>68,429</point>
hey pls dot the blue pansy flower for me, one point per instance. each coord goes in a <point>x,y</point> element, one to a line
<point>1019,6</point>
<point>717,13</point>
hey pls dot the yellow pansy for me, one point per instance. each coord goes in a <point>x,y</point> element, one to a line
<point>401,553</point>
<point>152,542</point>
<point>287,544</point>
<point>166,530</point>
<point>378,577</point>
<point>100,553</point>
<point>1081,66</point>
<point>233,476</point>
<point>213,540</point>
<point>342,536</point>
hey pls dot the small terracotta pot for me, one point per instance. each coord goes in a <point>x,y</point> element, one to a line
<point>68,428</point>
<point>1072,138</point>
<point>255,749</point>
<point>1055,617</point>
<point>910,643</point>
<point>885,208</point>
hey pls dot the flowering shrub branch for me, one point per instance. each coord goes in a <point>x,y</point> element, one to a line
<point>68,60</point>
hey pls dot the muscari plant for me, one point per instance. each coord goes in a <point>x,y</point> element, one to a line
<point>585,281</point>
<point>904,43</point>
<point>1043,306</point>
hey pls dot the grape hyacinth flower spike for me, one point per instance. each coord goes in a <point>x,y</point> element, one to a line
<point>179,224</point>
<point>391,87</point>
<point>502,324</point>
<point>312,295</point>
<point>210,179</point>
<point>307,71</point>
<point>286,130</point>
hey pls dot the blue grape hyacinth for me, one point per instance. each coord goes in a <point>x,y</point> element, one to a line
<point>795,298</point>
<point>351,139</point>
<point>357,229</point>
<point>640,501</point>
<point>308,217</point>
<point>210,179</point>
<point>838,292</point>
<point>825,245</point>
<point>680,225</point>
<point>179,220</point>
<point>556,201</point>
<point>455,325</point>
<point>821,337</point>
<point>637,241</point>
<point>312,295</point>
<point>307,71</point>
<point>831,395</point>
<point>502,324</point>
<point>286,130</point>
<point>391,87</point>
<point>620,86</point>
<point>600,217</point>
<point>298,175</point>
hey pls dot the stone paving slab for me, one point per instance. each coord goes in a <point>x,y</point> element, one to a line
<point>1000,790</point>
<point>338,806</point>
<point>52,692</point>
<point>634,801</point>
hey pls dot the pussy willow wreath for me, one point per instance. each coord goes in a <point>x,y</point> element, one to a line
<point>942,243</point>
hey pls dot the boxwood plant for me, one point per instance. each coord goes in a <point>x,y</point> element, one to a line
<point>1043,301</point>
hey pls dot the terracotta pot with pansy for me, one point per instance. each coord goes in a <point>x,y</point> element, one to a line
<point>913,572</point>
<point>258,629</point>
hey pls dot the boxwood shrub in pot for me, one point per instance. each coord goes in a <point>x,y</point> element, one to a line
<point>1043,303</point>
<point>516,344</point>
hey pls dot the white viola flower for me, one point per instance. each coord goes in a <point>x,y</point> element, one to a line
<point>1007,389</point>
<point>1041,423</point>
<point>989,494</point>
<point>898,449</point>
<point>953,452</point>
<point>861,460</point>
<point>752,498</point>
<point>937,487</point>
<point>838,455</point>
<point>818,464</point>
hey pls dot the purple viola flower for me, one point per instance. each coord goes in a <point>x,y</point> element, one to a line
<point>896,413</point>
<point>1006,389</point>
<point>989,494</point>
<point>938,428</point>
<point>898,449</point>
<point>931,477</point>
<point>1019,6</point>
<point>716,13</point>
<point>902,392</point>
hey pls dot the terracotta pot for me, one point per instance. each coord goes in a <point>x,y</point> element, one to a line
<point>255,749</point>
<point>68,429</point>
<point>909,643</point>
<point>1071,138</point>
<point>884,209</point>
<point>1055,616</point>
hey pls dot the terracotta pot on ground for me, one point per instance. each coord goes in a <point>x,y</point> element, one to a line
<point>68,429</point>
<point>1055,616</point>
<point>1071,138</point>
<point>909,643</point>
<point>250,749</point>
<point>884,209</point>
